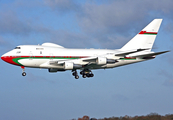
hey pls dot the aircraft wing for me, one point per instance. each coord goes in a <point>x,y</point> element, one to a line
<point>83,62</point>
<point>93,60</point>
<point>99,60</point>
<point>124,53</point>
<point>89,59</point>
<point>58,62</point>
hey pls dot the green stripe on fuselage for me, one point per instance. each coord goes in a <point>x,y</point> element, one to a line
<point>16,60</point>
<point>126,59</point>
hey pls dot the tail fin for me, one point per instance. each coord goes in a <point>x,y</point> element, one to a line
<point>144,39</point>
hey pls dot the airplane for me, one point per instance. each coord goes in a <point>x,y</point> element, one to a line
<point>57,58</point>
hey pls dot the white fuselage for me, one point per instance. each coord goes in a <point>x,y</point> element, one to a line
<point>39,56</point>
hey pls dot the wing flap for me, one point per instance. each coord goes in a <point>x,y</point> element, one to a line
<point>129,52</point>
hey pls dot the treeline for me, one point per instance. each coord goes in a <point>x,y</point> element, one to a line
<point>151,116</point>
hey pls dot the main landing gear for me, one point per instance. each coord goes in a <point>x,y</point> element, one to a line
<point>75,74</point>
<point>23,73</point>
<point>85,73</point>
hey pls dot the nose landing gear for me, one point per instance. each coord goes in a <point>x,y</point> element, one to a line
<point>23,69</point>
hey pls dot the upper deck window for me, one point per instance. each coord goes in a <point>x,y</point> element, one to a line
<point>17,48</point>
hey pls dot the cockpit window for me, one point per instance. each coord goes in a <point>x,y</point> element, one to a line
<point>17,48</point>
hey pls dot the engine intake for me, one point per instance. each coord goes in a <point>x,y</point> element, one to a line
<point>68,65</point>
<point>101,61</point>
<point>71,66</point>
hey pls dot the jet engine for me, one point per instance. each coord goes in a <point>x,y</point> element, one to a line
<point>71,66</point>
<point>68,65</point>
<point>103,61</point>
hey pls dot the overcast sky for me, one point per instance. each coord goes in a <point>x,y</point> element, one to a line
<point>136,89</point>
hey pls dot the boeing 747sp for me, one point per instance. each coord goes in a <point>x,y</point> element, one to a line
<point>57,58</point>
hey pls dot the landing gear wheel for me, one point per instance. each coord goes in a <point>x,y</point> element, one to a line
<point>24,74</point>
<point>91,75</point>
<point>88,75</point>
<point>84,75</point>
<point>75,74</point>
<point>76,77</point>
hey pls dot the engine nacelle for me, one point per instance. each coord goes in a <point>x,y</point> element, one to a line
<point>52,70</point>
<point>68,65</point>
<point>101,61</point>
<point>111,61</point>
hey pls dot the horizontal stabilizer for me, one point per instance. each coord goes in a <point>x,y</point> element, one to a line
<point>150,54</point>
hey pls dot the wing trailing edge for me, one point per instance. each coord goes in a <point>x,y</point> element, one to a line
<point>124,53</point>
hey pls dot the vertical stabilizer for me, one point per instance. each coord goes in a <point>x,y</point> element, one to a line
<point>144,39</point>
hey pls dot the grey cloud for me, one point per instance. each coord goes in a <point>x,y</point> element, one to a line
<point>108,25</point>
<point>72,39</point>
<point>169,78</point>
<point>166,74</point>
<point>68,39</point>
<point>62,5</point>
<point>12,24</point>
<point>2,42</point>
<point>168,83</point>
<point>169,29</point>
<point>105,17</point>
<point>119,97</point>
<point>104,22</point>
<point>116,14</point>
<point>5,44</point>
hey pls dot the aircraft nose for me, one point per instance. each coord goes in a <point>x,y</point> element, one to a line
<point>3,57</point>
<point>9,59</point>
